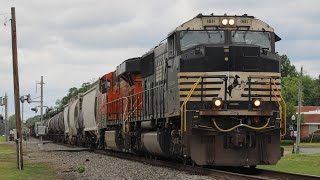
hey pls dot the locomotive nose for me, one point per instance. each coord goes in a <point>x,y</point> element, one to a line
<point>248,58</point>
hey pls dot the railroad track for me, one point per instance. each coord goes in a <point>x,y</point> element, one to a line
<point>240,173</point>
<point>186,168</point>
<point>226,173</point>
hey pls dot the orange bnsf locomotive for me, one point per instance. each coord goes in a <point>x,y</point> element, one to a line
<point>209,95</point>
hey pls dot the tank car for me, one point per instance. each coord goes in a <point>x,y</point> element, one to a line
<point>76,124</point>
<point>56,128</point>
<point>210,95</point>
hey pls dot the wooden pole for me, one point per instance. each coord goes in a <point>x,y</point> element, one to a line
<point>299,113</point>
<point>16,87</point>
<point>41,110</point>
<point>6,126</point>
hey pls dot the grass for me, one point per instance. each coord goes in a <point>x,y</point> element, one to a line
<point>288,148</point>
<point>81,169</point>
<point>310,145</point>
<point>32,170</point>
<point>2,138</point>
<point>298,163</point>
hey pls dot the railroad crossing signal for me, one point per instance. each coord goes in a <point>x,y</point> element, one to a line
<point>3,101</point>
<point>48,109</point>
<point>34,109</point>
<point>28,99</point>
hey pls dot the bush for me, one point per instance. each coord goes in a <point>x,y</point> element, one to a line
<point>315,139</point>
<point>286,142</point>
<point>81,169</point>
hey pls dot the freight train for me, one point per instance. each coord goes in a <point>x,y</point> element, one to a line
<point>209,94</point>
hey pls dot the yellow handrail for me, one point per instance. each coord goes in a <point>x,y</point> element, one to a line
<point>183,108</point>
<point>239,125</point>
<point>285,109</point>
<point>279,104</point>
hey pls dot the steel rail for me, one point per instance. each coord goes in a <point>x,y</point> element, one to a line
<point>180,167</point>
<point>226,173</point>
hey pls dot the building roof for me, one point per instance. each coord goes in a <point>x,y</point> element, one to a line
<point>309,108</point>
<point>311,114</point>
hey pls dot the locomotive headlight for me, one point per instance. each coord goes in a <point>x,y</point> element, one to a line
<point>256,102</point>
<point>231,22</point>
<point>217,102</point>
<point>225,21</point>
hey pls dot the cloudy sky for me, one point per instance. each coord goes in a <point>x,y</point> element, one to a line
<point>74,41</point>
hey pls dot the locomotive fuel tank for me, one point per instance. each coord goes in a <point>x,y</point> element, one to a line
<point>112,140</point>
<point>152,142</point>
<point>147,124</point>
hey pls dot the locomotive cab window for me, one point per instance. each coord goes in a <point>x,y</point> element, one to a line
<point>104,85</point>
<point>171,46</point>
<point>262,39</point>
<point>190,39</point>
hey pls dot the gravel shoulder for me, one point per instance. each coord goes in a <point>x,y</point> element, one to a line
<point>98,166</point>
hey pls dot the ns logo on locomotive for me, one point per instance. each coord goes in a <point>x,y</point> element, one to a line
<point>210,94</point>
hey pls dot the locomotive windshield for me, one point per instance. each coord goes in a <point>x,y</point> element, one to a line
<point>262,39</point>
<point>192,38</point>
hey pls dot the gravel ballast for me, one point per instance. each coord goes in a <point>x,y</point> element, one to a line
<point>89,165</point>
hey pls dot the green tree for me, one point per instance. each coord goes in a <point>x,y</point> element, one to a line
<point>287,69</point>
<point>12,122</point>
<point>317,89</point>
<point>311,91</point>
<point>30,121</point>
<point>290,87</point>
<point>72,93</point>
<point>289,91</point>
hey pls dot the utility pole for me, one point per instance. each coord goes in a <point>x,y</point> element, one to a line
<point>299,113</point>
<point>16,88</point>
<point>6,117</point>
<point>6,123</point>
<point>4,102</point>
<point>22,112</point>
<point>41,108</point>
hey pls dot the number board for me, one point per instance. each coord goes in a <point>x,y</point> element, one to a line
<point>244,22</point>
<point>210,21</point>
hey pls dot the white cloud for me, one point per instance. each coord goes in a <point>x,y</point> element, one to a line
<point>71,42</point>
<point>309,67</point>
